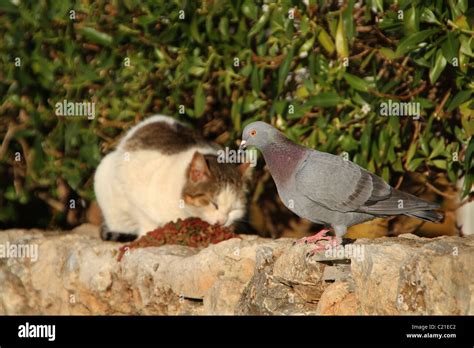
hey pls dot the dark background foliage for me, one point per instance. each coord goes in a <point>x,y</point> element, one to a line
<point>227,63</point>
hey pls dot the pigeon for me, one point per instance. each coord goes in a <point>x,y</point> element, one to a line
<point>328,189</point>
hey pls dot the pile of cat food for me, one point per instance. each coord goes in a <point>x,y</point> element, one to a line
<point>190,232</point>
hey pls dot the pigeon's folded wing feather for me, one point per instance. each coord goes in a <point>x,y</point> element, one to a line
<point>337,184</point>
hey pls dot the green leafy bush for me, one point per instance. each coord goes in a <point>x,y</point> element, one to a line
<point>318,71</point>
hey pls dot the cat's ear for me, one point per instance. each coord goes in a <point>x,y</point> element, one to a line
<point>199,170</point>
<point>245,170</point>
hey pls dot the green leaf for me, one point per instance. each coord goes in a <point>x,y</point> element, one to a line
<point>468,163</point>
<point>438,149</point>
<point>414,164</point>
<point>388,53</point>
<point>284,69</point>
<point>356,82</point>
<point>367,60</point>
<point>411,42</point>
<point>377,5</point>
<point>438,67</point>
<point>386,174</point>
<point>195,32</point>
<point>325,100</point>
<point>341,40</point>
<point>308,45</point>
<point>96,36</point>
<point>348,17</point>
<point>326,41</point>
<point>441,164</point>
<point>452,175</point>
<point>249,9</point>
<point>411,152</point>
<point>455,9</point>
<point>196,70</point>
<point>127,30</point>
<point>428,16</point>
<point>279,106</point>
<point>251,104</point>
<point>224,28</point>
<point>256,79</point>
<point>199,101</point>
<point>304,25</point>
<point>461,22</point>
<point>295,111</point>
<point>257,28</point>
<point>425,149</point>
<point>467,185</point>
<point>464,53</point>
<point>302,92</point>
<point>236,115</point>
<point>450,47</point>
<point>458,99</point>
<point>411,20</point>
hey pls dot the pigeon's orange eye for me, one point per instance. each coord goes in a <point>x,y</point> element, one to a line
<point>253,133</point>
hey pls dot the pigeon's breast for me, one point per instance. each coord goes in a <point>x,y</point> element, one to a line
<point>283,163</point>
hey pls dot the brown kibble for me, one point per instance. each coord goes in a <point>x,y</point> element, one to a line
<point>192,232</point>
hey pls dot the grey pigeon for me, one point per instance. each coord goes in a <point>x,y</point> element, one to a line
<point>326,189</point>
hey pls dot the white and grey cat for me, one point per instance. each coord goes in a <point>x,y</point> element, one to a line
<point>162,171</point>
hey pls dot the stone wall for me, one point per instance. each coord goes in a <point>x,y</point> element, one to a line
<point>77,273</point>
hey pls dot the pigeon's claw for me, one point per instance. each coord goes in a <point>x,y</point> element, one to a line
<point>321,235</point>
<point>319,248</point>
<point>333,242</point>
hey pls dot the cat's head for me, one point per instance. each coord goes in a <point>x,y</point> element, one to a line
<point>215,192</point>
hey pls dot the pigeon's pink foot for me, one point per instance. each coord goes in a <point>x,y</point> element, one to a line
<point>333,242</point>
<point>321,235</point>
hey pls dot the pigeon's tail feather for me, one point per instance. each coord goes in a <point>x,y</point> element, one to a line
<point>427,215</point>
<point>404,203</point>
<point>413,203</point>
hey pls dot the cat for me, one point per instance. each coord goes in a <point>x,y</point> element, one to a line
<point>162,171</point>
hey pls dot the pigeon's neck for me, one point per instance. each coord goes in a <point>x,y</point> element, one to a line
<point>283,158</point>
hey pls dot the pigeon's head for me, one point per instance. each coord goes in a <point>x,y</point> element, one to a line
<point>258,134</point>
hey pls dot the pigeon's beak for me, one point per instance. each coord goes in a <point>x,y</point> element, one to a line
<point>243,145</point>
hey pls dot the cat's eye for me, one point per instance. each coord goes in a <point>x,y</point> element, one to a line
<point>253,133</point>
<point>215,205</point>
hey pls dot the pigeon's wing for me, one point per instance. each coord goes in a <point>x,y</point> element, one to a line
<point>337,184</point>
